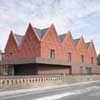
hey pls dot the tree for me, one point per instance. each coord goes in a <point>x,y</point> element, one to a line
<point>98,59</point>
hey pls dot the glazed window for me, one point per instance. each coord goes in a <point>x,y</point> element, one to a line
<point>52,54</point>
<point>69,57</point>
<point>82,59</point>
<point>91,60</point>
<point>11,53</point>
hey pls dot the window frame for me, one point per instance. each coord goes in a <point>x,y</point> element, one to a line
<point>69,57</point>
<point>82,58</point>
<point>52,53</point>
<point>92,60</point>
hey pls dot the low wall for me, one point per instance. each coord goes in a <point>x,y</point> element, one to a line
<point>80,78</point>
<point>11,82</point>
<point>8,82</point>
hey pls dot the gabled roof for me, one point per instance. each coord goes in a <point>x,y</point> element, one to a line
<point>87,44</point>
<point>41,32</point>
<point>76,41</point>
<point>19,38</point>
<point>62,36</point>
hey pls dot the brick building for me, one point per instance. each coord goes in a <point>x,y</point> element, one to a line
<point>43,51</point>
<point>2,66</point>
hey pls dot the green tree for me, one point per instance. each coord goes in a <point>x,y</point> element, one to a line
<point>98,59</point>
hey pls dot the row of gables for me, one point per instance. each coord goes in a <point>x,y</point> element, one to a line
<point>39,42</point>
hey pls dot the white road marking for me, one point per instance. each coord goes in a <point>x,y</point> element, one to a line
<point>75,92</point>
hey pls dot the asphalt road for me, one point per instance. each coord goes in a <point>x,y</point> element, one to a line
<point>89,91</point>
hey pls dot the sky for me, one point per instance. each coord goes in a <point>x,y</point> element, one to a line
<point>81,17</point>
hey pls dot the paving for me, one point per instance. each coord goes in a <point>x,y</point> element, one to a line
<point>80,91</point>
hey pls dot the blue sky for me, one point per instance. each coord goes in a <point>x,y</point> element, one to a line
<point>81,17</point>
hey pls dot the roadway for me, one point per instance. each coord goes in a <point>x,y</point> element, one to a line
<point>90,91</point>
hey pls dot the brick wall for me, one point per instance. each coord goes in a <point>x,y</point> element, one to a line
<point>92,53</point>
<point>55,70</point>
<point>11,47</point>
<point>69,47</point>
<point>32,46</point>
<point>51,41</point>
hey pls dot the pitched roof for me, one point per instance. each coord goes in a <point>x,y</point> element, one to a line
<point>62,36</point>
<point>76,41</point>
<point>41,32</point>
<point>87,44</point>
<point>19,38</point>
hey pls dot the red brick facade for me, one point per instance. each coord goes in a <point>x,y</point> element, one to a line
<point>32,45</point>
<point>11,47</point>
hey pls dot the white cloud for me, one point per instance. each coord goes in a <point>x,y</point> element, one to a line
<point>78,16</point>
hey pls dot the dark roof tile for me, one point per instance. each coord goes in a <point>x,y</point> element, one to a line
<point>19,38</point>
<point>62,36</point>
<point>87,44</point>
<point>41,32</point>
<point>76,41</point>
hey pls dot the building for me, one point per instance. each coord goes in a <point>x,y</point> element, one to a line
<point>43,51</point>
<point>2,65</point>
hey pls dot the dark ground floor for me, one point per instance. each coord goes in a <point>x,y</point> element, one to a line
<point>41,69</point>
<point>37,69</point>
<point>48,69</point>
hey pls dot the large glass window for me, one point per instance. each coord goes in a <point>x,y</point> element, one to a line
<point>52,53</point>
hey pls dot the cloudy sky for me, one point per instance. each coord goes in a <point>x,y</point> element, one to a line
<point>81,17</point>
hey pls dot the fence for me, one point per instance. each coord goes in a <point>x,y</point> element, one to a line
<point>9,82</point>
<point>28,81</point>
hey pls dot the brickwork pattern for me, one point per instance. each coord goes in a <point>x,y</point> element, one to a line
<point>32,46</point>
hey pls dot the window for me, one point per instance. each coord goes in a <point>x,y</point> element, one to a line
<point>11,53</point>
<point>52,53</point>
<point>69,57</point>
<point>91,60</point>
<point>82,59</point>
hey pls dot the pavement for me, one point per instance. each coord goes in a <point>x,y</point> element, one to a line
<point>78,91</point>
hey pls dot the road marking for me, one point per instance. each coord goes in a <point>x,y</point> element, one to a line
<point>75,92</point>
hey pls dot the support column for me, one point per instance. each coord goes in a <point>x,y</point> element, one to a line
<point>70,70</point>
<point>11,70</point>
